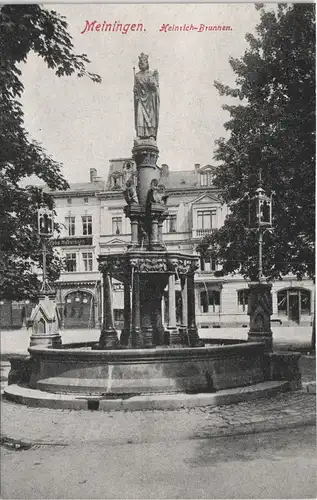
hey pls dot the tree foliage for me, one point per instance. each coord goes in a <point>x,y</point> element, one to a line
<point>25,29</point>
<point>272,131</point>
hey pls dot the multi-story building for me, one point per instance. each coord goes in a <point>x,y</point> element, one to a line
<point>94,223</point>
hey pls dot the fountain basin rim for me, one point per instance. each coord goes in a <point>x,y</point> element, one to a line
<point>158,353</point>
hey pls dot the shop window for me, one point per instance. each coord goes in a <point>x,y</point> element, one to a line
<point>243,296</point>
<point>305,302</point>
<point>210,301</point>
<point>292,303</point>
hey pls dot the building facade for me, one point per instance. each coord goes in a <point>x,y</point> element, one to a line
<point>93,222</point>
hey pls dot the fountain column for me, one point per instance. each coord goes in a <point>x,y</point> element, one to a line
<point>136,318</point>
<point>108,338</point>
<point>155,234</point>
<point>184,293</point>
<point>134,232</point>
<point>126,313</point>
<point>193,337</point>
<point>175,338</point>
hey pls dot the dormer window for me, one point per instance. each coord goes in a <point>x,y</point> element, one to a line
<point>116,181</point>
<point>205,178</point>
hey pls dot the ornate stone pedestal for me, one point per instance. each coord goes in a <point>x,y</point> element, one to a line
<point>260,311</point>
<point>44,321</point>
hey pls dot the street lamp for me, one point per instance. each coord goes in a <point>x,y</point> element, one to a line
<point>260,220</point>
<point>45,317</point>
<point>260,296</point>
<point>45,224</point>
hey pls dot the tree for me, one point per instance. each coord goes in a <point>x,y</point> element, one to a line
<point>26,28</point>
<point>272,132</point>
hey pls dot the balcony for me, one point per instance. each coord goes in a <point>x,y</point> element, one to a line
<point>200,233</point>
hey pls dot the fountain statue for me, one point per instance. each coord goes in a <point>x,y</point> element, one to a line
<point>146,100</point>
<point>146,269</point>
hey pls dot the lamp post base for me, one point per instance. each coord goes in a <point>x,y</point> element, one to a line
<point>260,310</point>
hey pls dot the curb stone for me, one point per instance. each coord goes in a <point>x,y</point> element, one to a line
<point>37,398</point>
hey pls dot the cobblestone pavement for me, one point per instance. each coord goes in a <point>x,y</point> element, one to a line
<point>63,427</point>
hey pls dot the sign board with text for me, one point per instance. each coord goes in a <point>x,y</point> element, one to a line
<point>72,242</point>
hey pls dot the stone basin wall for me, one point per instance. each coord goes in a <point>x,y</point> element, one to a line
<point>146,371</point>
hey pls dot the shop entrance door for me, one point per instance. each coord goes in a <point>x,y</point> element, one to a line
<point>79,310</point>
<point>294,306</point>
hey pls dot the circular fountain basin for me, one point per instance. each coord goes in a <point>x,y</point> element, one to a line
<point>76,368</point>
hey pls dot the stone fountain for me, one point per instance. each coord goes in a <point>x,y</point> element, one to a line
<point>149,357</point>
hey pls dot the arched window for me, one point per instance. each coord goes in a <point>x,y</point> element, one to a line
<point>293,303</point>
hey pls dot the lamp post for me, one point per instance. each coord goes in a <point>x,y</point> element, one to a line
<point>260,220</point>
<point>45,230</point>
<point>260,297</point>
<point>44,318</point>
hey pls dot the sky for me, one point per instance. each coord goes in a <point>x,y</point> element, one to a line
<point>83,124</point>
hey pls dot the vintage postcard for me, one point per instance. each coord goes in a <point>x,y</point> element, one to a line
<point>157,251</point>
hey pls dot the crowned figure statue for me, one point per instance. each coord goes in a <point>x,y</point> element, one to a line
<point>146,100</point>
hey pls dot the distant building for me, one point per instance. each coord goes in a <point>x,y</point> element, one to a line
<point>94,223</point>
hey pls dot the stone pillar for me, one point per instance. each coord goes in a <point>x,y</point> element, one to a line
<point>160,231</point>
<point>108,338</point>
<point>136,319</point>
<point>175,338</point>
<point>184,319</point>
<point>184,301</point>
<point>154,234</point>
<point>260,311</point>
<point>134,232</point>
<point>125,334</point>
<point>193,337</point>
<point>145,153</point>
<point>147,307</point>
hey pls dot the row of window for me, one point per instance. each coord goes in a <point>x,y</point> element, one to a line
<point>290,302</point>
<point>169,225</point>
<point>70,223</point>
<point>206,219</point>
<point>72,263</point>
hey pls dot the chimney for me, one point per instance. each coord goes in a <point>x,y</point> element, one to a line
<point>93,174</point>
<point>197,167</point>
<point>164,170</point>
